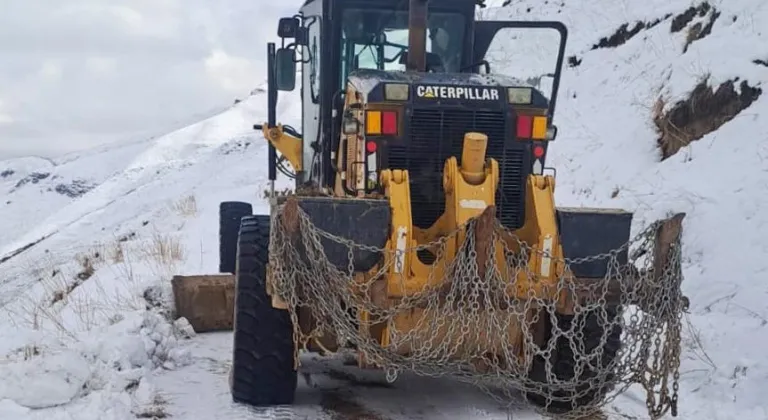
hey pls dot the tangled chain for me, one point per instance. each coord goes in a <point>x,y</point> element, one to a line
<point>473,330</point>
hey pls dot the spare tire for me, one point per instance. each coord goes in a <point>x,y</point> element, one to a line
<point>230,215</point>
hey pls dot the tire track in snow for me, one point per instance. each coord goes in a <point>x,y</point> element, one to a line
<point>327,390</point>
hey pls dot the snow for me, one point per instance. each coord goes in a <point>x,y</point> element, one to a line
<point>24,180</point>
<point>48,382</point>
<point>102,347</point>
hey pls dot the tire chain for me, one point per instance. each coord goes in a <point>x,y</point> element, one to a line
<point>468,308</point>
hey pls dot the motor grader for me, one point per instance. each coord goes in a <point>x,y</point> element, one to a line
<point>423,233</point>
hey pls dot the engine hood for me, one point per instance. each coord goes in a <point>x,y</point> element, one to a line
<point>365,80</point>
<point>463,87</point>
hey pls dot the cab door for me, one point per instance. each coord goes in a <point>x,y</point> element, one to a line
<point>528,51</point>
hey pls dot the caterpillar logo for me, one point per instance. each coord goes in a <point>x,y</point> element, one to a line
<point>457,92</point>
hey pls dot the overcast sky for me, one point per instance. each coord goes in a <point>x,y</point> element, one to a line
<point>77,73</point>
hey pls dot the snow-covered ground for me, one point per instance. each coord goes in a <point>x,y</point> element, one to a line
<point>82,334</point>
<point>78,296</point>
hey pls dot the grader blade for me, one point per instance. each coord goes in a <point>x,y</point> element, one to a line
<point>206,301</point>
<point>590,232</point>
<point>595,243</point>
<point>363,222</point>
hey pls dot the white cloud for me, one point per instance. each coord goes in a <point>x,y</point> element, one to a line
<point>101,65</point>
<point>4,118</point>
<point>129,16</point>
<point>50,70</point>
<point>83,72</point>
<point>229,72</point>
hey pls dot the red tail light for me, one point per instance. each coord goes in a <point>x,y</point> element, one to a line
<point>524,126</point>
<point>389,123</point>
<point>532,127</point>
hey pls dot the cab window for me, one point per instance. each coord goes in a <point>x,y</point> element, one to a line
<point>377,39</point>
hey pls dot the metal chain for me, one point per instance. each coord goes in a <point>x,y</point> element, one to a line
<point>466,324</point>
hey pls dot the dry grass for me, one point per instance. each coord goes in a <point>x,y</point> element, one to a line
<point>116,254</point>
<point>696,345</point>
<point>702,112</point>
<point>185,206</point>
<point>116,275</point>
<point>62,286</point>
<point>700,30</point>
<point>87,263</point>
<point>165,250</point>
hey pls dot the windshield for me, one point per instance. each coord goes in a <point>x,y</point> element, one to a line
<point>377,39</point>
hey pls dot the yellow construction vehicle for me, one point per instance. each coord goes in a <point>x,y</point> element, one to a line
<point>423,231</point>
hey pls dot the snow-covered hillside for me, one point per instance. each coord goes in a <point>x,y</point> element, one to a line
<point>35,188</point>
<point>77,339</point>
<point>607,155</point>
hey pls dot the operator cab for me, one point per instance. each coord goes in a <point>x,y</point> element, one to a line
<point>378,39</point>
<point>453,74</point>
<point>338,37</point>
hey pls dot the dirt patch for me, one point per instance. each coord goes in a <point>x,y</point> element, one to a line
<point>155,411</point>
<point>77,188</point>
<point>355,380</point>
<point>704,111</point>
<point>700,29</point>
<point>682,20</point>
<point>624,33</point>
<point>26,247</point>
<point>236,146</point>
<point>341,407</point>
<point>86,269</point>
<point>33,178</point>
<point>574,61</point>
<point>152,413</point>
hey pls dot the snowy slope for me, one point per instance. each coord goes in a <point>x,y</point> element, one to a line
<point>166,191</point>
<point>31,189</point>
<point>139,226</point>
<point>188,162</point>
<point>606,155</point>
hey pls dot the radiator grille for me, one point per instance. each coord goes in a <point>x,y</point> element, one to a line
<point>437,134</point>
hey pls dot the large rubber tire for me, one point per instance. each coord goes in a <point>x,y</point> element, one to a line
<point>230,214</point>
<point>263,355</point>
<point>593,327</point>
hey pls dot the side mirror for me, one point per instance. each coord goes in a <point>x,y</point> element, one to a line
<point>285,69</point>
<point>302,37</point>
<point>288,27</point>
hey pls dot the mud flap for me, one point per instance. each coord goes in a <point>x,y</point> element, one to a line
<point>360,221</point>
<point>206,301</point>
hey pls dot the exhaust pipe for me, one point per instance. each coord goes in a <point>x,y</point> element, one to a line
<point>417,36</point>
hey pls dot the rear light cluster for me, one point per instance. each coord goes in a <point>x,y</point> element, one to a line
<point>531,127</point>
<point>381,123</point>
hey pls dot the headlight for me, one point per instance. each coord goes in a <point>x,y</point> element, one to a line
<point>350,125</point>
<point>519,95</point>
<point>551,133</point>
<point>396,92</point>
